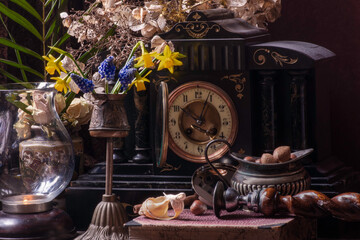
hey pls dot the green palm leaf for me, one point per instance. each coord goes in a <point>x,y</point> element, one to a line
<point>48,2</point>
<point>59,42</point>
<point>26,68</point>
<point>51,30</point>
<point>20,20</point>
<point>10,76</point>
<point>8,43</point>
<point>26,6</point>
<point>15,79</point>
<point>17,53</point>
<point>51,11</point>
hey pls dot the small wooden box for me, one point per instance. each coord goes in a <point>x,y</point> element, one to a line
<point>239,225</point>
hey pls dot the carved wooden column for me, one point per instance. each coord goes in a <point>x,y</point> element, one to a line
<point>142,146</point>
<point>268,115</point>
<point>299,114</point>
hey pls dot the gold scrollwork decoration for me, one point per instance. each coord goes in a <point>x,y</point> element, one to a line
<point>156,81</point>
<point>196,17</point>
<point>260,58</point>
<point>239,81</point>
<point>241,151</point>
<point>168,167</point>
<point>283,59</point>
<point>198,29</point>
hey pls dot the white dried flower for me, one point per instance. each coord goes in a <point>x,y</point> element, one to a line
<point>59,102</point>
<point>64,15</point>
<point>139,13</point>
<point>79,112</point>
<point>150,29</point>
<point>40,108</point>
<point>23,129</point>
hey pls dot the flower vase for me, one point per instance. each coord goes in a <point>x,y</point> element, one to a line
<point>108,120</point>
<point>109,117</point>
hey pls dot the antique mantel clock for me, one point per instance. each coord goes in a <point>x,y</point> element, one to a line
<point>234,84</point>
<point>209,97</point>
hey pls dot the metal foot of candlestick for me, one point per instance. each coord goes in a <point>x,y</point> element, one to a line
<point>109,216</point>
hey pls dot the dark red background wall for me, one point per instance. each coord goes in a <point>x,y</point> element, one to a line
<point>334,24</point>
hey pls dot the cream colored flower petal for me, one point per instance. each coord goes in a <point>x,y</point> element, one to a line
<point>157,208</point>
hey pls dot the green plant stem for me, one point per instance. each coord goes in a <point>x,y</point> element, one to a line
<point>81,72</point>
<point>142,73</point>
<point>117,86</point>
<point>106,87</point>
<point>83,58</point>
<point>133,51</point>
<point>68,101</point>
<point>12,99</point>
<point>94,5</point>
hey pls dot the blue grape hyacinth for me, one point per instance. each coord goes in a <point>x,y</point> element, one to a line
<point>127,74</point>
<point>84,84</point>
<point>107,69</point>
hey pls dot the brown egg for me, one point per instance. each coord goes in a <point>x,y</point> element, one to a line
<point>267,158</point>
<point>198,207</point>
<point>292,156</point>
<point>282,154</point>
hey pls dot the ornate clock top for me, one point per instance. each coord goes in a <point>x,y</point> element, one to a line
<point>214,23</point>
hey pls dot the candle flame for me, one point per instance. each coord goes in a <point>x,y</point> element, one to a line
<point>27,199</point>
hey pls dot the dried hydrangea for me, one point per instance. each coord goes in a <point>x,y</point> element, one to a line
<point>137,20</point>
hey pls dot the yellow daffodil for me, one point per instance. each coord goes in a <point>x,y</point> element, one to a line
<point>54,64</point>
<point>140,82</point>
<point>62,84</point>
<point>146,60</point>
<point>169,59</point>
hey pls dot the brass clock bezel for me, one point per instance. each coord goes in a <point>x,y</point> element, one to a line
<point>231,139</point>
<point>161,161</point>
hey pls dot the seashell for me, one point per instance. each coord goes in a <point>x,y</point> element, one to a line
<point>157,208</point>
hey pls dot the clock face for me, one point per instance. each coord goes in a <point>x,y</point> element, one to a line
<point>198,113</point>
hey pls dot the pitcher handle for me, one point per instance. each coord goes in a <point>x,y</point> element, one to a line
<point>208,160</point>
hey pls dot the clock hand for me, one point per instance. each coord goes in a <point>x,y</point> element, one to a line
<point>200,120</point>
<point>189,114</point>
<point>210,133</point>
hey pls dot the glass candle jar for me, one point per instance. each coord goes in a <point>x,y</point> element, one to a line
<point>36,153</point>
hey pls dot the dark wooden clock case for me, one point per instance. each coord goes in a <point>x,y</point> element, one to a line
<point>275,87</point>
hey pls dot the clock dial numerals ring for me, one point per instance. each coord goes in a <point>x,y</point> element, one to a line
<point>198,113</point>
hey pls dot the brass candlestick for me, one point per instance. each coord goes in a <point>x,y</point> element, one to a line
<point>108,120</point>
